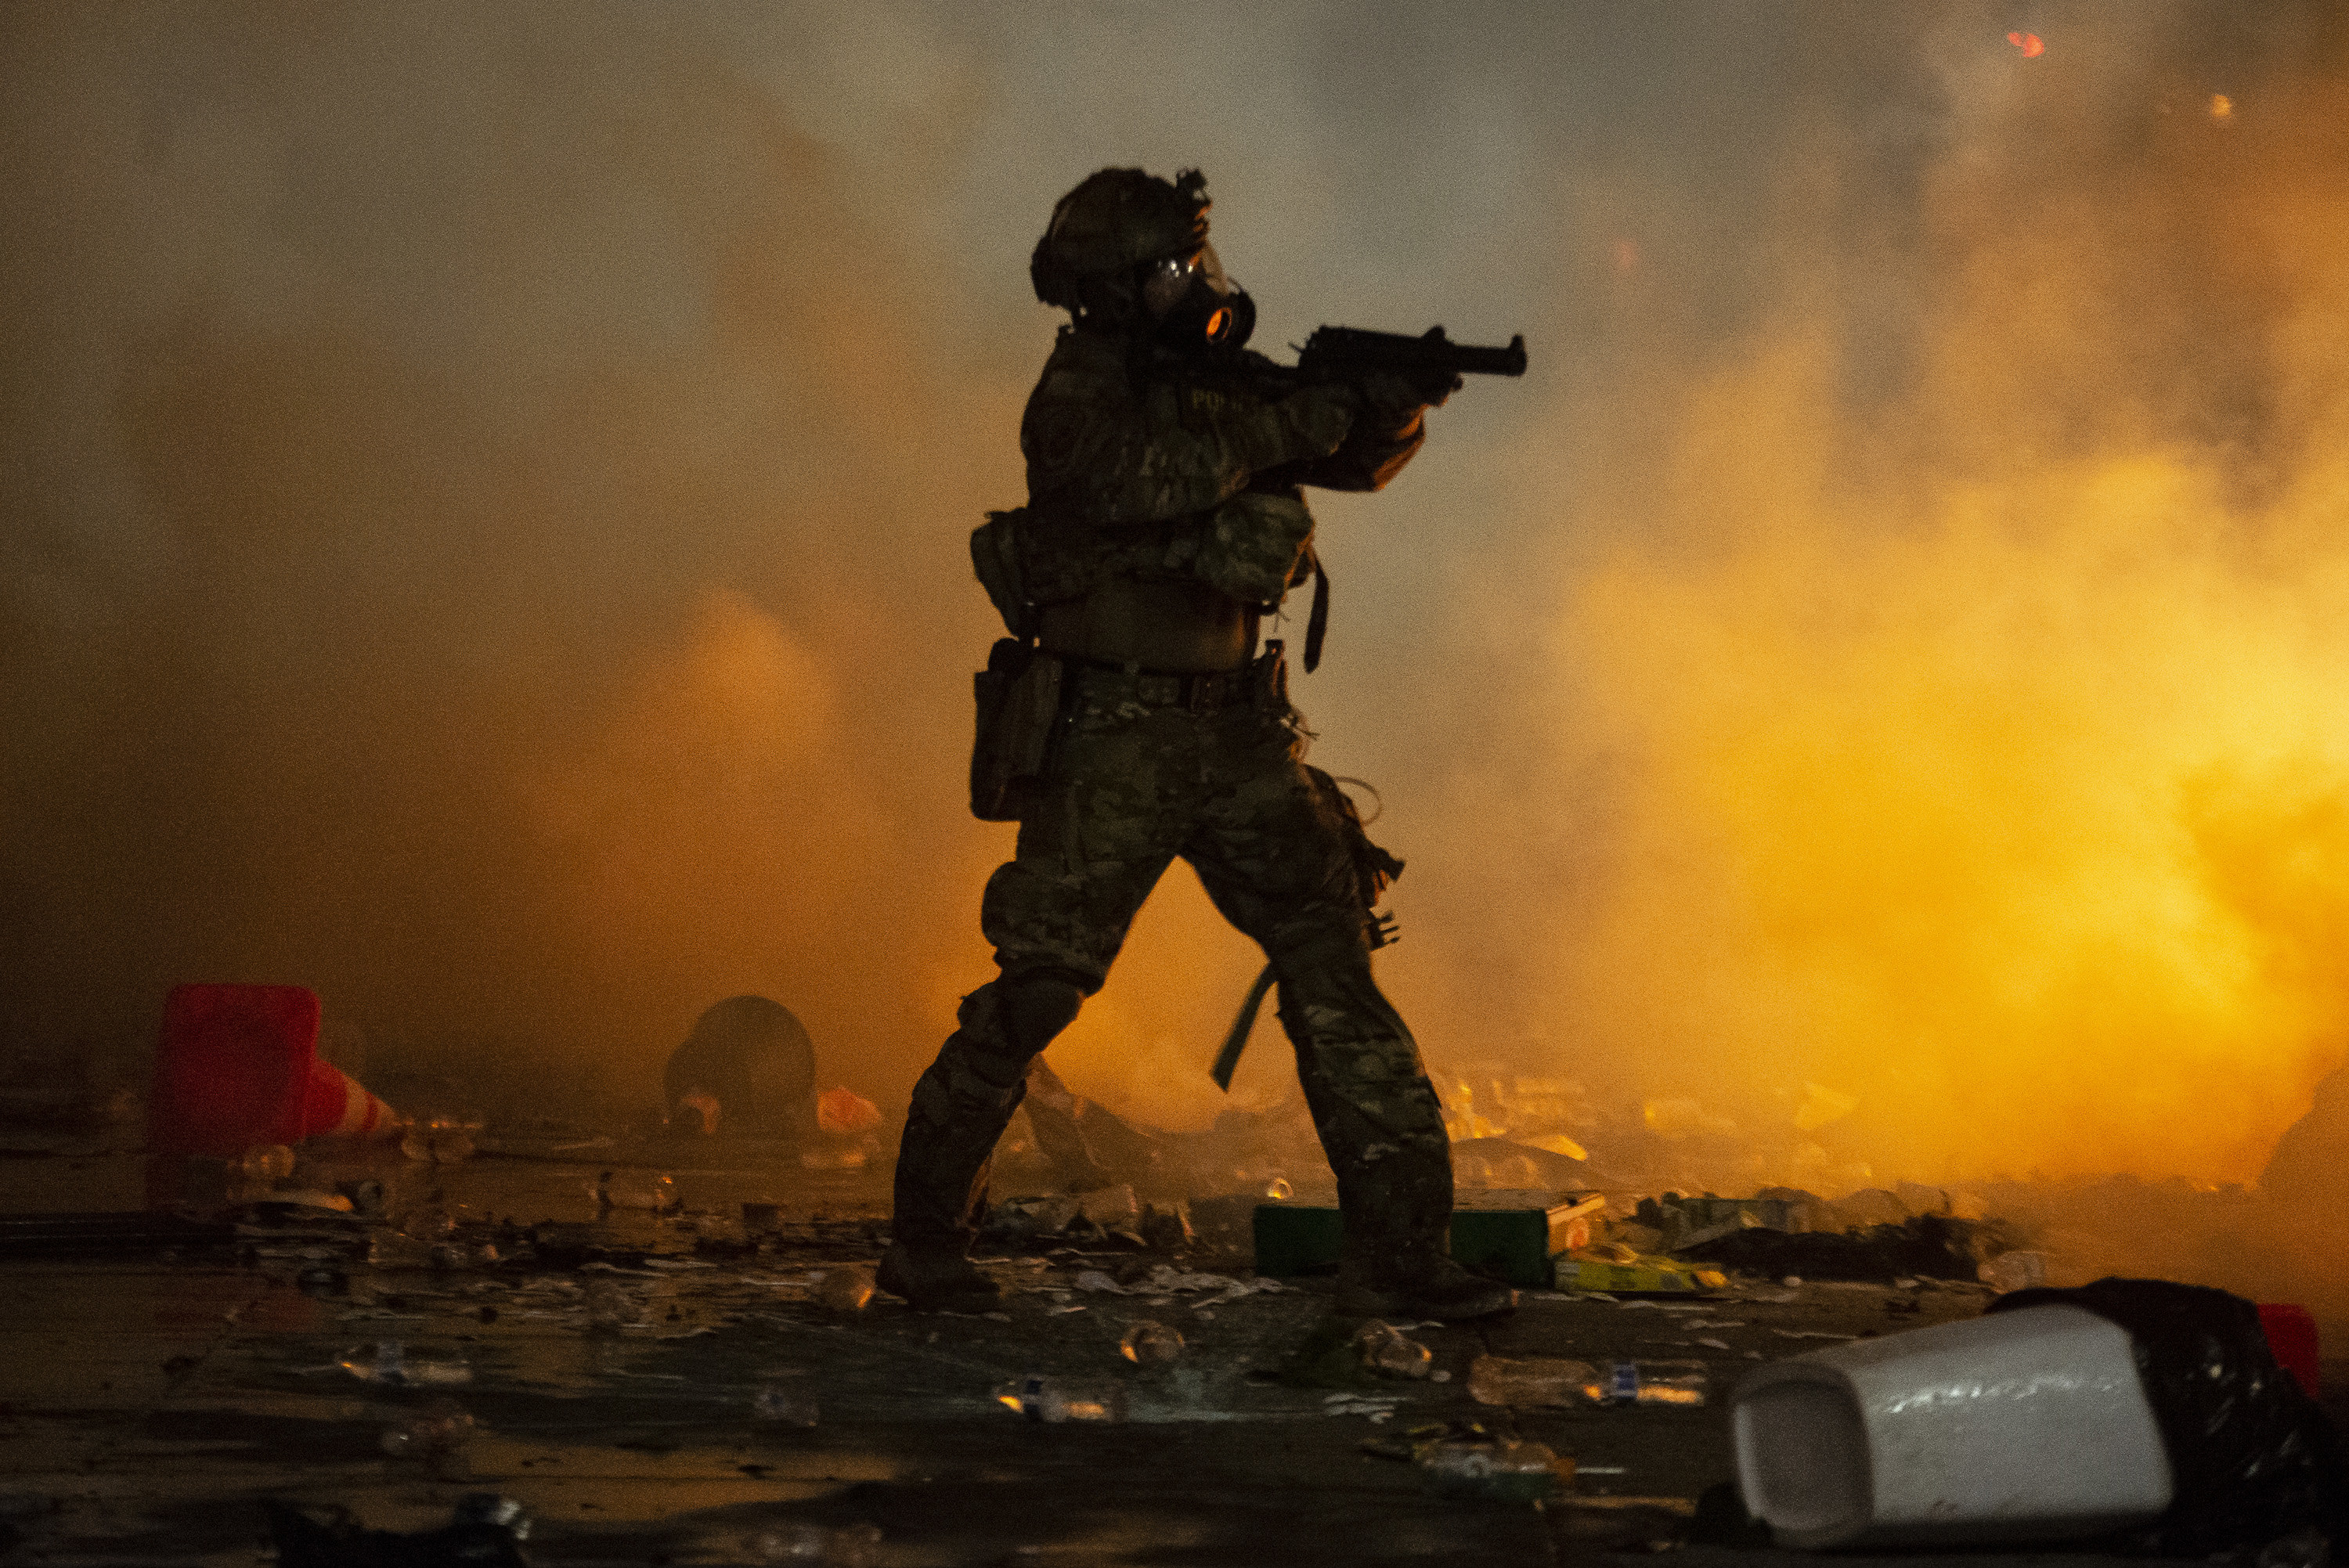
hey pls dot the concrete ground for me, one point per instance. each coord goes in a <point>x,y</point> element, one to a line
<point>150,1405</point>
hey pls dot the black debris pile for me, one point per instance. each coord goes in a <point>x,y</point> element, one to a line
<point>1110,1217</point>
<point>2253,1460</point>
<point>1924,1246</point>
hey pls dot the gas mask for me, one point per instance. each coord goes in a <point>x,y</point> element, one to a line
<point>1196,308</point>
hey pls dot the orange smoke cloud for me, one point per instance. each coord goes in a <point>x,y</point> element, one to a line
<point>1988,766</point>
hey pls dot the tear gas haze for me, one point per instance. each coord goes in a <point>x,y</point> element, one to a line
<point>487,493</point>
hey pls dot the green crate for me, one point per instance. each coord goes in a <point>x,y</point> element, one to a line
<point>1509,1233</point>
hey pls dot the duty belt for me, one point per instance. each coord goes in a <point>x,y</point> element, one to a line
<point>1200,691</point>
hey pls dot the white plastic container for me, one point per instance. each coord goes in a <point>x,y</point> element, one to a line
<point>2019,1426</point>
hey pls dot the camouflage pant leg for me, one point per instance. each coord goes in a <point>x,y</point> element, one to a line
<point>1087,858</point>
<point>1278,861</point>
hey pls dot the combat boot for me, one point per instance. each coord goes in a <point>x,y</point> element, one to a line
<point>936,1279</point>
<point>1427,1285</point>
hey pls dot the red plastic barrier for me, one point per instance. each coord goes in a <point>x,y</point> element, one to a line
<point>238,1067</point>
<point>2292,1335</point>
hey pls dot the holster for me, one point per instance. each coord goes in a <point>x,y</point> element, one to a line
<point>1018,695</point>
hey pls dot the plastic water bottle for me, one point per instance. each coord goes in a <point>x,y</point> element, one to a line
<point>846,1290</point>
<point>1505,1472</point>
<point>1536,1380</point>
<point>1654,1383</point>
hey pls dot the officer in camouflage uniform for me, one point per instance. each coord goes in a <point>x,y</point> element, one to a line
<point>1165,519</point>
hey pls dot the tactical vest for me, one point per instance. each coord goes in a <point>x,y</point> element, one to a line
<point>1252,549</point>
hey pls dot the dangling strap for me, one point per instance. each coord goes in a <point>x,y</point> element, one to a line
<point>1228,1060</point>
<point>1317,622</point>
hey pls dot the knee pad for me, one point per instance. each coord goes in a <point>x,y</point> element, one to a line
<point>1034,1008</point>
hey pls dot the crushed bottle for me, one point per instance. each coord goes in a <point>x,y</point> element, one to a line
<point>1531,1381</point>
<point>2011,1272</point>
<point>784,1406</point>
<point>846,1289</point>
<point>1392,1353</point>
<point>438,1430</point>
<point>397,1365</point>
<point>611,1308</point>
<point>440,1140</point>
<point>652,1192</point>
<point>1056,1399</point>
<point>848,1547</point>
<point>1504,1471</point>
<point>1651,1383</point>
<point>1150,1344</point>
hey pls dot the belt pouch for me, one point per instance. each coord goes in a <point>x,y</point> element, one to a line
<point>1018,696</point>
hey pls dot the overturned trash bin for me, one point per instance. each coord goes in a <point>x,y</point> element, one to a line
<point>2130,1406</point>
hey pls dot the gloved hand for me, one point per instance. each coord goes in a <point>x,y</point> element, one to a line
<point>1315,420</point>
<point>1391,401</point>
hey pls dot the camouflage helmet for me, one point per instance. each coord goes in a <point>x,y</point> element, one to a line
<point>1117,219</point>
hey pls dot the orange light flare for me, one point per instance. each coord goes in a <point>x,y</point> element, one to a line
<point>2223,108</point>
<point>2032,44</point>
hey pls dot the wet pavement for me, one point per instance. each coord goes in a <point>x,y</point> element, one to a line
<point>672,1389</point>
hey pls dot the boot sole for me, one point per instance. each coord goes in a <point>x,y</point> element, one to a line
<point>949,1300</point>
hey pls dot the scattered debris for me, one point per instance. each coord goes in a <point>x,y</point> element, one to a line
<point>653,1192</point>
<point>1150,1344</point>
<point>1392,1353</point>
<point>398,1365</point>
<point>2015,1270</point>
<point>611,1308</point>
<point>1927,1246</point>
<point>846,1290</point>
<point>1410,1442</point>
<point>440,1140</point>
<point>1533,1381</point>
<point>438,1430</point>
<point>1648,1277</point>
<point>820,1546</point>
<point>1056,1399</point>
<point>1503,1470</point>
<point>1683,1382</point>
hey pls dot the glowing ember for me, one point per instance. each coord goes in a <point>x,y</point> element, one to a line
<point>2221,107</point>
<point>2031,44</point>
